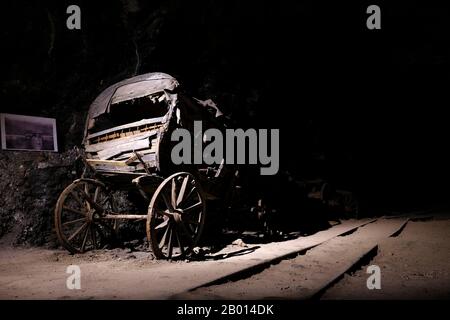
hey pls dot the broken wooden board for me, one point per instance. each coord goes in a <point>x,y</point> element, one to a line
<point>139,123</point>
<point>91,148</point>
<point>126,147</point>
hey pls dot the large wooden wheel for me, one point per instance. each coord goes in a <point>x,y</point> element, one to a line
<point>78,216</point>
<point>176,216</point>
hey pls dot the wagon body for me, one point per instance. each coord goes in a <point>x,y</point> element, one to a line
<point>129,125</point>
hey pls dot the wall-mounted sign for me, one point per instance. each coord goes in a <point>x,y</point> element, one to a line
<point>28,133</point>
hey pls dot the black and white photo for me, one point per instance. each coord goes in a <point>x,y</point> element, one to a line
<point>28,133</point>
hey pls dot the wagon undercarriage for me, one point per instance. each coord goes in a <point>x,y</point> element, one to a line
<point>86,216</point>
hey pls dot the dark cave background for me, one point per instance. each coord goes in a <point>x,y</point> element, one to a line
<point>363,108</point>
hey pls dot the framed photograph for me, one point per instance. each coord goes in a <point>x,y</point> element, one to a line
<point>28,133</point>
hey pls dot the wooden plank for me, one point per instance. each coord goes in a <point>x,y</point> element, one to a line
<point>137,90</point>
<point>115,169</point>
<point>126,126</point>
<point>126,147</point>
<point>109,144</point>
<point>96,162</point>
<point>148,162</point>
<point>129,157</point>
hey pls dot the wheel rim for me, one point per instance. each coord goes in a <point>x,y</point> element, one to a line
<point>176,216</point>
<point>78,216</point>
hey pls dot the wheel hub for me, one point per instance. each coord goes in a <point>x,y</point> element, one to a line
<point>177,215</point>
<point>92,215</point>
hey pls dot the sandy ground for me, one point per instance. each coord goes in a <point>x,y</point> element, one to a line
<point>415,264</point>
<point>38,273</point>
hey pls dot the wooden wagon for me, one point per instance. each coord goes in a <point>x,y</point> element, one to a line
<point>127,144</point>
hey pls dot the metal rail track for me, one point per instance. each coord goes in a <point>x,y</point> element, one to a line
<point>237,267</point>
<point>364,246</point>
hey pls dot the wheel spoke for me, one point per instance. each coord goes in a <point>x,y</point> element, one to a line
<point>97,190</point>
<point>77,199</point>
<point>191,192</point>
<point>190,220</point>
<point>182,190</point>
<point>170,246</point>
<point>73,221</point>
<point>86,197</point>
<point>86,191</point>
<point>192,228</point>
<point>104,201</point>
<point>91,202</point>
<point>83,213</point>
<point>194,206</point>
<point>187,234</point>
<point>163,239</point>
<point>173,197</point>
<point>180,243</point>
<point>163,224</point>
<point>83,245</point>
<point>167,202</point>
<point>164,213</point>
<point>77,232</point>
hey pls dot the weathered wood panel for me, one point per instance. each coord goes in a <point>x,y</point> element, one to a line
<point>109,144</point>
<point>126,126</point>
<point>126,147</point>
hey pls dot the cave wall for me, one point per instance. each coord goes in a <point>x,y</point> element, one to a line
<point>305,67</point>
<point>31,183</point>
<point>54,72</point>
<point>51,71</point>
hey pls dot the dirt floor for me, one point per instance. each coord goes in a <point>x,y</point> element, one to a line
<point>414,265</point>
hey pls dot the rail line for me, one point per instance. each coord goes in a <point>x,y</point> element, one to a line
<point>336,254</point>
<point>238,267</point>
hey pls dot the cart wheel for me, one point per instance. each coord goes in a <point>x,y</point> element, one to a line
<point>176,216</point>
<point>78,212</point>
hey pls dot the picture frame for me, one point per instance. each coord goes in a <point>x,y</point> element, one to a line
<point>28,133</point>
